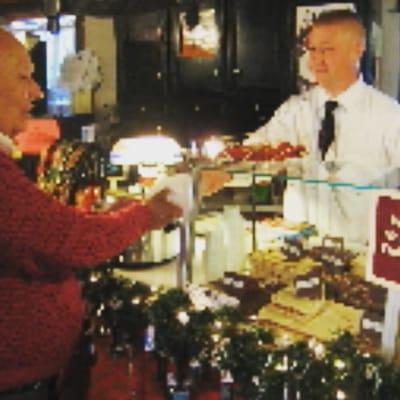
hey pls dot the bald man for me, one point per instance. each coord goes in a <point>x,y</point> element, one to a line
<point>42,244</point>
<point>364,146</point>
<point>17,89</point>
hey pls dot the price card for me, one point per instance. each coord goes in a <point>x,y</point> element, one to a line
<point>384,261</point>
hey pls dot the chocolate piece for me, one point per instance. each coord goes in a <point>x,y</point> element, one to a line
<point>309,285</point>
<point>371,327</point>
<point>335,260</point>
<point>293,249</point>
<point>251,292</point>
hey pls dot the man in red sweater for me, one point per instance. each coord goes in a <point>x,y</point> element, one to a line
<point>42,243</point>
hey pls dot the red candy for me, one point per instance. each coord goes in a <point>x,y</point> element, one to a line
<point>265,152</point>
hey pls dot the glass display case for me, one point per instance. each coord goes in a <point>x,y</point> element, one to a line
<point>288,241</point>
<point>273,244</point>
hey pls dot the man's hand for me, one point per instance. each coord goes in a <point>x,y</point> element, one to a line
<point>180,191</point>
<point>119,204</point>
<point>162,210</point>
<point>212,181</point>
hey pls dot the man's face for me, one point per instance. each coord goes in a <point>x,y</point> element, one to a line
<point>17,89</point>
<point>334,53</point>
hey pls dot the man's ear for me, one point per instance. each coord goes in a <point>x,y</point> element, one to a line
<point>357,50</point>
<point>360,46</point>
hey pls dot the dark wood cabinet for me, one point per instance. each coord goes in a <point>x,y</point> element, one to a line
<point>142,57</point>
<point>230,85</point>
<point>239,85</point>
<point>143,71</point>
<point>230,80</point>
<point>248,110</point>
<point>255,41</point>
<point>256,61</point>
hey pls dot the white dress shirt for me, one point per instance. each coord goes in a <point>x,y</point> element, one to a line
<point>7,145</point>
<point>367,129</point>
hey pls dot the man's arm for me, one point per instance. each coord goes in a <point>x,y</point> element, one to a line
<point>280,128</point>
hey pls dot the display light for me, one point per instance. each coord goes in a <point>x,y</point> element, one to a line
<point>146,150</point>
<point>183,317</point>
<point>218,324</point>
<point>212,147</point>
<point>340,364</point>
<point>340,395</point>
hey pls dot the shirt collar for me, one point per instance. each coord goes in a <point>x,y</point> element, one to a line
<point>346,98</point>
<point>351,94</point>
<point>7,145</point>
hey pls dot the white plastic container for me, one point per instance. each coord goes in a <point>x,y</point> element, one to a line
<point>294,201</point>
<point>234,236</point>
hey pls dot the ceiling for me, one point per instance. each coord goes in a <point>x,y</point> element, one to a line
<point>18,6</point>
<point>23,8</point>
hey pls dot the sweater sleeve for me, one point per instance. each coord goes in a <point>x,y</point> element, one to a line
<point>37,229</point>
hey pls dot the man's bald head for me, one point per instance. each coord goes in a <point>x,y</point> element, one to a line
<point>6,37</point>
<point>9,46</point>
<point>17,89</point>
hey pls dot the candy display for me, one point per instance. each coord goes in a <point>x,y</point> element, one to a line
<point>322,319</point>
<point>272,266</point>
<point>356,292</point>
<point>319,296</point>
<point>334,260</point>
<point>266,152</point>
<point>252,293</point>
<point>313,356</point>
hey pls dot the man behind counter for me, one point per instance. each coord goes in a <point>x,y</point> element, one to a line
<point>367,122</point>
<point>349,125</point>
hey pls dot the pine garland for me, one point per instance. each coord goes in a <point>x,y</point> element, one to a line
<point>260,368</point>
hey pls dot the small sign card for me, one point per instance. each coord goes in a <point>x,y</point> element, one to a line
<point>384,261</point>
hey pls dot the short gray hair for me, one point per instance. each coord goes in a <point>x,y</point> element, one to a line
<point>342,17</point>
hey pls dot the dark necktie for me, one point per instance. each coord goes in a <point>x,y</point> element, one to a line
<point>327,132</point>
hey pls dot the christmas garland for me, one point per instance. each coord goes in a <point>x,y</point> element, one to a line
<point>69,167</point>
<point>219,339</point>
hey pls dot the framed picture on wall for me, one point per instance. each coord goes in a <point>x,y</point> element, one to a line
<point>199,38</point>
<point>305,15</point>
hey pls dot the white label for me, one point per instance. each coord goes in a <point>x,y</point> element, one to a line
<point>372,325</point>
<point>238,284</point>
<point>307,284</point>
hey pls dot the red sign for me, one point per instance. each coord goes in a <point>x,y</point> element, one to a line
<point>385,241</point>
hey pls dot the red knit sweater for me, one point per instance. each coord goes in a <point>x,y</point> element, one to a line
<point>41,243</point>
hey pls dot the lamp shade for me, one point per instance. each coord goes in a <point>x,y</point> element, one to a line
<point>146,150</point>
